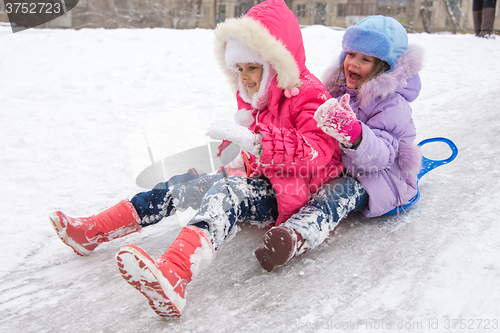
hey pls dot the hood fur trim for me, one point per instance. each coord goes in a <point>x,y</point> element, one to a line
<point>253,34</point>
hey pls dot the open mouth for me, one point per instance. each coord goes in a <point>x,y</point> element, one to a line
<point>354,76</point>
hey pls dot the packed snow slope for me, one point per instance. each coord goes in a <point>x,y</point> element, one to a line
<point>79,110</point>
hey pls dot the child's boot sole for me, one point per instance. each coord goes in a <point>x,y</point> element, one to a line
<point>279,247</point>
<point>57,220</point>
<point>141,272</point>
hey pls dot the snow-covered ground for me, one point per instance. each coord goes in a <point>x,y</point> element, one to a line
<point>78,111</point>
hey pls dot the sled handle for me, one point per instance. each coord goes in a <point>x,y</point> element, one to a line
<point>428,164</point>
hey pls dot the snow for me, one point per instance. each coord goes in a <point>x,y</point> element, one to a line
<point>79,110</point>
<point>228,129</point>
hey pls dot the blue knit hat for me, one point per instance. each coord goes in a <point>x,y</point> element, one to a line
<point>377,36</point>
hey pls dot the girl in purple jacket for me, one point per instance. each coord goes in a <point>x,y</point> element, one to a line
<point>371,117</point>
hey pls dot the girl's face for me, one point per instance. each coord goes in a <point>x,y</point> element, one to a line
<point>356,67</point>
<point>250,76</point>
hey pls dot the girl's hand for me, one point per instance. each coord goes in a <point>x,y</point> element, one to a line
<point>239,135</point>
<point>337,119</point>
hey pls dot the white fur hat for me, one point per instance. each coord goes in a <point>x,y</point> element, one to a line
<point>237,52</point>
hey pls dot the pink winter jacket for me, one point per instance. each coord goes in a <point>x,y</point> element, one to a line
<point>297,156</point>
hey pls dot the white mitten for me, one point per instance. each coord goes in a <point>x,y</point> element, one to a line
<point>242,136</point>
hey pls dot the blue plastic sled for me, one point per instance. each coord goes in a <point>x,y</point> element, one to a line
<point>427,165</point>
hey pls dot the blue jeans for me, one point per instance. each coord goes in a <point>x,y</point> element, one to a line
<point>327,208</point>
<point>221,202</point>
<point>178,193</point>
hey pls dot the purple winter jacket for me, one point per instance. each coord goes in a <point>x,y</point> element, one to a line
<point>387,160</point>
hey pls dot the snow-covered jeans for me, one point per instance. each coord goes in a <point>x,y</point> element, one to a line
<point>221,201</point>
<point>327,208</point>
<point>178,193</point>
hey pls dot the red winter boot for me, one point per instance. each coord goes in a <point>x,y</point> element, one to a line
<point>164,281</point>
<point>281,244</point>
<point>84,234</point>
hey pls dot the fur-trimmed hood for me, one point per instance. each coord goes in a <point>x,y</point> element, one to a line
<point>407,67</point>
<point>272,30</point>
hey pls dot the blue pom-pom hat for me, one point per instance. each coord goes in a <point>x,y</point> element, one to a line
<point>377,36</point>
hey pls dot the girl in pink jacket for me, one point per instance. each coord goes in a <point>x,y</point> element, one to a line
<point>289,158</point>
<point>289,148</point>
